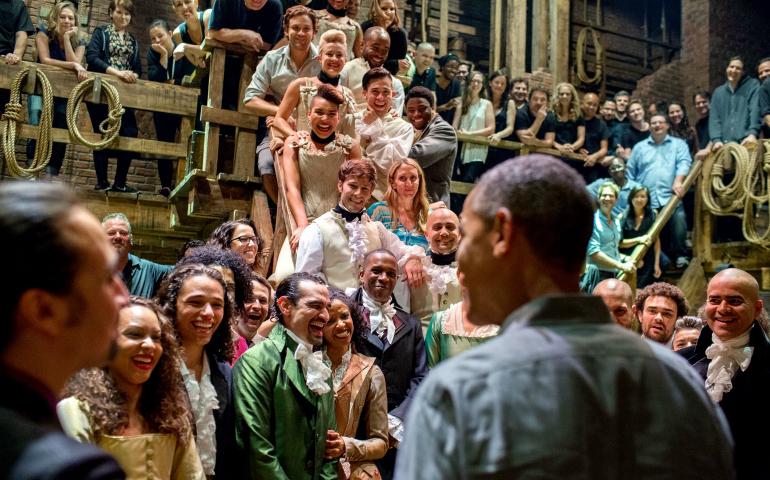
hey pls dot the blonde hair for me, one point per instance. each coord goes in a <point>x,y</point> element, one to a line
<point>376,16</point>
<point>420,206</point>
<point>574,108</point>
<point>52,23</point>
<point>333,36</point>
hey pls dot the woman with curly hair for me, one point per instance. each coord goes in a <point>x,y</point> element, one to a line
<point>405,211</point>
<point>194,297</point>
<point>570,124</point>
<point>360,398</point>
<point>136,408</point>
<point>242,237</point>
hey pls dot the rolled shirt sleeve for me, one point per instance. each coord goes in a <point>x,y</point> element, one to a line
<point>310,252</point>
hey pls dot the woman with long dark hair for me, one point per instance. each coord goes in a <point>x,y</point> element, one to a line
<point>194,297</point>
<point>360,397</point>
<point>136,408</point>
<point>476,117</point>
<point>680,126</point>
<point>636,222</point>
<point>505,117</point>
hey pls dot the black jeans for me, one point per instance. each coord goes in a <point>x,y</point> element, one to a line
<point>128,128</point>
<point>166,125</point>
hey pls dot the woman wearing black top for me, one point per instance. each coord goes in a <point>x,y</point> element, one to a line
<point>680,126</point>
<point>505,117</point>
<point>570,124</point>
<point>449,90</point>
<point>636,222</point>
<point>114,51</point>
<point>384,13</point>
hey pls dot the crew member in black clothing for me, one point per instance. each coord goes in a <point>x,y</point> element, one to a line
<point>764,95</point>
<point>596,139</point>
<point>634,133</point>
<point>701,100</point>
<point>535,125</point>
<point>164,69</point>
<point>449,90</point>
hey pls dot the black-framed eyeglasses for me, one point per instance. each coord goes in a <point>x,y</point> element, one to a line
<point>245,239</point>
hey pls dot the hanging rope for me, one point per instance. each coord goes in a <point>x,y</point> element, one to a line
<point>599,61</point>
<point>757,193</point>
<point>13,117</point>
<point>749,188</point>
<point>112,122</point>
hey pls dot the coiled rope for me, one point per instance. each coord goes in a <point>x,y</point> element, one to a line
<point>749,188</point>
<point>581,47</point>
<point>13,117</point>
<point>111,130</point>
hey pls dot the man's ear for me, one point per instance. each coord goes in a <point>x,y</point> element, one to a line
<point>284,305</point>
<point>502,232</point>
<point>633,311</point>
<point>339,186</point>
<point>43,312</point>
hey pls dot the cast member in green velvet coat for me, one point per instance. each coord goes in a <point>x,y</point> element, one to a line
<point>284,403</point>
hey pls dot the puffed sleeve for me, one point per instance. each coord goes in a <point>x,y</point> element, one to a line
<point>74,419</point>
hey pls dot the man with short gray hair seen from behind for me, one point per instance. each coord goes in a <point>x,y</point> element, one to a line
<point>562,392</point>
<point>142,277</point>
<point>732,357</point>
<point>59,315</point>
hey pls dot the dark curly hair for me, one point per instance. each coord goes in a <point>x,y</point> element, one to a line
<point>223,235</point>
<point>360,325</point>
<point>221,346</point>
<point>663,289</point>
<point>329,93</point>
<point>215,256</point>
<point>163,403</point>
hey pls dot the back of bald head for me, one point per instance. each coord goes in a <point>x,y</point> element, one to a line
<point>443,215</point>
<point>376,33</point>
<point>741,280</point>
<point>614,287</point>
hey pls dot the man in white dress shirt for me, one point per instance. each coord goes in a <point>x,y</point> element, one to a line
<point>335,244</point>
<point>383,137</point>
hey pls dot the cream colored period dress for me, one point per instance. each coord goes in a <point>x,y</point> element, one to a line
<point>346,125</point>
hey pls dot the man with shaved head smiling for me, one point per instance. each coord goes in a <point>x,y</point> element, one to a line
<point>733,356</point>
<point>619,298</point>
<point>441,289</point>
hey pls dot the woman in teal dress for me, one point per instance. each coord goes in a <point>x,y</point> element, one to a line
<point>405,211</point>
<point>450,332</point>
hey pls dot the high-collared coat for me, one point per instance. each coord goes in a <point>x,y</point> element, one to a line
<point>746,405</point>
<point>280,425</point>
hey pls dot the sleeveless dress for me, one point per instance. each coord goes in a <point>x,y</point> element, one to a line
<point>325,23</point>
<point>496,156</point>
<point>346,125</point>
<point>318,174</point>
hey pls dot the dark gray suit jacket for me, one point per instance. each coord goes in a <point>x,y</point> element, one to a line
<point>435,151</point>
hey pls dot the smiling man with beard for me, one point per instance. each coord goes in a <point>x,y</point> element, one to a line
<point>142,277</point>
<point>396,342</point>
<point>657,307</point>
<point>442,288</point>
<point>284,404</point>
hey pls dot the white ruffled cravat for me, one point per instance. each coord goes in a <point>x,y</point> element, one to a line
<point>380,316</point>
<point>313,367</point>
<point>726,357</point>
<point>358,241</point>
<point>440,277</point>
<point>203,400</point>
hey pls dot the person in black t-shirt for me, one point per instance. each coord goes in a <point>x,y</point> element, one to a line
<point>763,71</point>
<point>570,126</point>
<point>596,141</point>
<point>701,100</point>
<point>448,88</point>
<point>535,125</point>
<point>15,27</point>
<point>519,91</point>
<point>634,133</point>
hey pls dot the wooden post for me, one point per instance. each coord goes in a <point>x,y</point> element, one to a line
<point>260,214</point>
<point>540,25</point>
<point>216,85</point>
<point>560,35</point>
<point>495,35</point>
<point>424,20</point>
<point>516,45</point>
<point>245,138</point>
<point>664,216</point>
<point>443,36</point>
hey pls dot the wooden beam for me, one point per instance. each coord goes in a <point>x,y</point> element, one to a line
<point>560,40</point>
<point>516,42</point>
<point>142,95</point>
<point>443,38</point>
<point>221,116</point>
<point>540,35</point>
<point>209,198</point>
<point>216,85</point>
<point>260,214</point>
<point>424,14</point>
<point>211,45</point>
<point>479,140</point>
<point>452,26</point>
<point>638,38</point>
<point>495,35</point>
<point>124,144</point>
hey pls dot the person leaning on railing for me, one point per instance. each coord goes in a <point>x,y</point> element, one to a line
<point>535,125</point>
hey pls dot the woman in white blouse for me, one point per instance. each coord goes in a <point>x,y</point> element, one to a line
<point>135,409</point>
<point>195,298</point>
<point>476,117</point>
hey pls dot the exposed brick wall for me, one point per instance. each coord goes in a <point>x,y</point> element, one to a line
<point>665,84</point>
